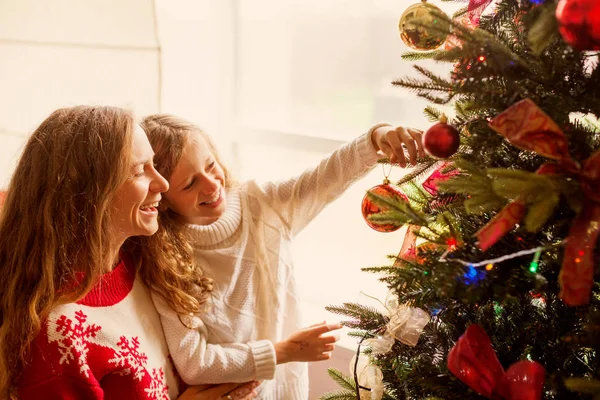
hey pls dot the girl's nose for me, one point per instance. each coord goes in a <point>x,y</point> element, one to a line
<point>209,185</point>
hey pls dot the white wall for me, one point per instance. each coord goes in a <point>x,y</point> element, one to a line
<point>140,54</point>
<point>193,67</point>
<point>57,53</point>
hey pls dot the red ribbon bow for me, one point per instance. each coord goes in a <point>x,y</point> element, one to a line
<point>474,362</point>
<point>476,8</point>
<point>527,127</point>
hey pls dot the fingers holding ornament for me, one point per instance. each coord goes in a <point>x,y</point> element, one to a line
<point>410,144</point>
<point>395,142</point>
<point>417,135</point>
<point>396,156</point>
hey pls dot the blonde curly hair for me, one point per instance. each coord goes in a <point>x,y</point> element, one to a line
<point>168,136</point>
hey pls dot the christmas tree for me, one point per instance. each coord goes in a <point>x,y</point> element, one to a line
<point>495,292</point>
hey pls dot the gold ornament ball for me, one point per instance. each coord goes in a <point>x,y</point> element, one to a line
<point>421,29</point>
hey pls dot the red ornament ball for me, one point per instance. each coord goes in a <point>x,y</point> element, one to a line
<point>441,140</point>
<point>370,208</point>
<point>579,23</point>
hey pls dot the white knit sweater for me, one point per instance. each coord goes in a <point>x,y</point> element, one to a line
<point>248,254</point>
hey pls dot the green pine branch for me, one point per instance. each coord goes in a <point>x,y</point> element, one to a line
<point>420,86</point>
<point>417,196</point>
<point>460,12</point>
<point>544,29</point>
<point>346,382</point>
<point>420,55</point>
<point>339,395</point>
<point>432,114</point>
<point>398,211</point>
<point>369,317</point>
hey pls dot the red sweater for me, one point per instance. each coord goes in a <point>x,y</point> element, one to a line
<point>109,345</point>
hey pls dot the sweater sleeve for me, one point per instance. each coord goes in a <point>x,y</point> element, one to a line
<point>298,200</point>
<point>199,362</point>
<point>61,387</point>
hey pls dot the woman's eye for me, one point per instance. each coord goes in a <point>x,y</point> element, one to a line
<point>211,165</point>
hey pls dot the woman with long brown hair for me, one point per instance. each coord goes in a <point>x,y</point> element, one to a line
<point>76,318</point>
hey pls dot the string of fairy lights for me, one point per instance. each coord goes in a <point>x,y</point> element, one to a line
<point>489,263</point>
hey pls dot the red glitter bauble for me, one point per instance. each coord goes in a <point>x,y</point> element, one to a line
<point>370,208</point>
<point>441,140</point>
<point>579,23</point>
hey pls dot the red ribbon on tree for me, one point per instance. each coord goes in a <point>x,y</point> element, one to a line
<point>474,362</point>
<point>527,127</point>
<point>408,251</point>
<point>476,8</point>
<point>431,183</point>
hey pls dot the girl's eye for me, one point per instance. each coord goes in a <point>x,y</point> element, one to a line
<point>211,165</point>
<point>189,185</point>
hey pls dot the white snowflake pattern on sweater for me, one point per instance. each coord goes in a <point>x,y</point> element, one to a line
<point>130,357</point>
<point>73,339</point>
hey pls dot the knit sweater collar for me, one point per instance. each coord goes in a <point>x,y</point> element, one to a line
<point>221,229</point>
<point>113,286</point>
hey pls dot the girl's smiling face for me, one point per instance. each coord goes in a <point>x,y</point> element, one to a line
<point>197,185</point>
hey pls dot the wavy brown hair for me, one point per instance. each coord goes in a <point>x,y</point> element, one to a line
<point>55,229</point>
<point>168,136</point>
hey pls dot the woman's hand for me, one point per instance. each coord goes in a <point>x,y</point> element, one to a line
<point>390,140</point>
<point>309,344</point>
<point>224,391</point>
